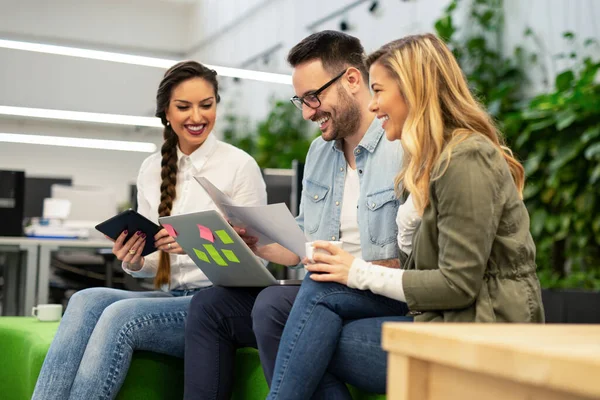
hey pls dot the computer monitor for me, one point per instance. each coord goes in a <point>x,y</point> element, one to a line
<point>296,195</point>
<point>36,190</point>
<point>285,185</point>
<point>92,204</point>
<point>12,189</point>
<point>279,185</point>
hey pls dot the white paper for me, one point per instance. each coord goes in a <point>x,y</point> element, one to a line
<point>273,223</point>
<point>215,194</point>
<point>221,200</point>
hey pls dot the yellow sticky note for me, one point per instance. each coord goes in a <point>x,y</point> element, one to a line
<point>201,255</point>
<point>225,238</point>
<point>214,253</point>
<point>230,255</point>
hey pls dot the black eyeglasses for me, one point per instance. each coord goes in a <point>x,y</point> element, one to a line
<point>311,99</point>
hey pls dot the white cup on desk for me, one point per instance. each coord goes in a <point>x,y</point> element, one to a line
<point>310,250</point>
<point>47,312</point>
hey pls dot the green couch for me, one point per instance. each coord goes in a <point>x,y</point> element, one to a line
<point>25,341</point>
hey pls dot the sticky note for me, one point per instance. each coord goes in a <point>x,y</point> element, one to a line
<point>206,233</point>
<point>172,232</point>
<point>201,255</point>
<point>214,253</point>
<point>230,255</point>
<point>225,238</point>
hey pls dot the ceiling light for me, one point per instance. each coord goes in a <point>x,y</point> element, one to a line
<point>81,116</point>
<point>143,147</point>
<point>140,60</point>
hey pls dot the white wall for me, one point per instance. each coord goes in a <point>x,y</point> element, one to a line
<point>51,81</point>
<point>142,26</point>
<point>549,19</point>
<point>106,168</point>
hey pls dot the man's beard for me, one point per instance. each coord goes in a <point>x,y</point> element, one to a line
<point>347,117</point>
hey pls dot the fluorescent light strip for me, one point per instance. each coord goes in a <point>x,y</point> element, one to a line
<point>140,60</point>
<point>81,116</point>
<point>142,147</point>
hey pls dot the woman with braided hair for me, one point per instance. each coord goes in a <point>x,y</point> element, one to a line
<point>101,327</point>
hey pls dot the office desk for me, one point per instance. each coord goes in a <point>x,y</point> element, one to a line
<point>34,286</point>
<point>428,361</point>
<point>47,246</point>
<point>25,288</point>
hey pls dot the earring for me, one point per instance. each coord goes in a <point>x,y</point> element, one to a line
<point>168,123</point>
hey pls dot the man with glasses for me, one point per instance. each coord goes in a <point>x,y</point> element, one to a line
<point>347,195</point>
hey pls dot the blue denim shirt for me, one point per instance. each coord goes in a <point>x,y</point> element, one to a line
<point>377,161</point>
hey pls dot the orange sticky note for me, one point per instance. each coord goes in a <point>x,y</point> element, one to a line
<point>206,233</point>
<point>172,232</point>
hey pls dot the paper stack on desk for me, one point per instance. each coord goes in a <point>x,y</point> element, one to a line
<point>272,223</point>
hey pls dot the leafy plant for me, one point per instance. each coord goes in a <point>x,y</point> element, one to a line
<point>231,134</point>
<point>279,139</point>
<point>556,133</point>
<point>494,78</point>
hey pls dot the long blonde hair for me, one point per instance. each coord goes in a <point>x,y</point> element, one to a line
<point>442,112</point>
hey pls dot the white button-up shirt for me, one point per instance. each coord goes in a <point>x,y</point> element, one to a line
<point>230,169</point>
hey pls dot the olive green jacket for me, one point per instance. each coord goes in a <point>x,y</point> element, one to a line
<point>473,257</point>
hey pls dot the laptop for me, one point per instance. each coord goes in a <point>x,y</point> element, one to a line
<point>219,251</point>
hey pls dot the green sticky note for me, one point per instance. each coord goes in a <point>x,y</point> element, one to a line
<point>201,255</point>
<point>230,255</point>
<point>225,238</point>
<point>214,253</point>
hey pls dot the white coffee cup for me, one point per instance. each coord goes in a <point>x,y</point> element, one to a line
<point>47,312</point>
<point>310,250</point>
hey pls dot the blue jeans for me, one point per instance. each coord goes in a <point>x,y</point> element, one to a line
<point>332,336</point>
<point>91,352</point>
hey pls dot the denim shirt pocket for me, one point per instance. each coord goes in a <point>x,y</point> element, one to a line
<point>314,202</point>
<point>382,207</point>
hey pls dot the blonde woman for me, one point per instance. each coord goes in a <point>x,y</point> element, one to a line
<point>472,256</point>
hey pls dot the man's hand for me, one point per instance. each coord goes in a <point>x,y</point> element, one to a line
<point>251,241</point>
<point>273,252</point>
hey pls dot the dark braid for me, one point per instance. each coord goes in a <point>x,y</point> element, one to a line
<point>168,174</point>
<point>174,76</point>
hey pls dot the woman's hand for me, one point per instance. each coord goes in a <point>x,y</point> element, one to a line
<point>333,267</point>
<point>166,243</point>
<point>130,251</point>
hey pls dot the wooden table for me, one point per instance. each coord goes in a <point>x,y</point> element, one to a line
<point>429,361</point>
